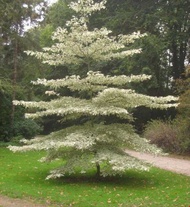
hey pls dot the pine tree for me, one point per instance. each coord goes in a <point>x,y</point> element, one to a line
<point>93,142</point>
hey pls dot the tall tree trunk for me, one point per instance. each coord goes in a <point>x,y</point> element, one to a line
<point>182,55</point>
<point>175,66</point>
<point>14,80</point>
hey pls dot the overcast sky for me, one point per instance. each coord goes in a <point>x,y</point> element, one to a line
<point>28,25</point>
<point>51,1</point>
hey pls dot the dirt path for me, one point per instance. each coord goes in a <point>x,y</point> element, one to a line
<point>15,202</point>
<point>180,166</point>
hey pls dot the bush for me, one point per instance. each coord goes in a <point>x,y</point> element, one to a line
<point>27,128</point>
<point>170,136</point>
<point>182,120</point>
<point>183,132</point>
<point>164,135</point>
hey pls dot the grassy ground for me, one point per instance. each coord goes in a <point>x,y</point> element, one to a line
<point>21,175</point>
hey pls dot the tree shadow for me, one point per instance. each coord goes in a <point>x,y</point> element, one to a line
<point>132,179</point>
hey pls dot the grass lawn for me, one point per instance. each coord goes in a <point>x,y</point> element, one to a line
<point>21,176</point>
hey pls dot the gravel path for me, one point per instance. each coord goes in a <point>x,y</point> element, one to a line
<point>15,202</point>
<point>180,166</point>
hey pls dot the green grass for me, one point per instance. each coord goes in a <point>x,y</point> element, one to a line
<point>21,176</point>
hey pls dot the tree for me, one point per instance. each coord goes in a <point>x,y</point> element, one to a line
<point>175,28</point>
<point>58,14</point>
<point>165,49</point>
<point>15,68</point>
<point>101,104</point>
<point>182,120</point>
<point>14,16</point>
<point>5,105</point>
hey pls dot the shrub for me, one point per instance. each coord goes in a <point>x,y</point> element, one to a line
<point>164,135</point>
<point>182,120</point>
<point>171,136</point>
<point>183,133</point>
<point>27,128</point>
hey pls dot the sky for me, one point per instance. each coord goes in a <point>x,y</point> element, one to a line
<point>28,25</point>
<point>51,1</point>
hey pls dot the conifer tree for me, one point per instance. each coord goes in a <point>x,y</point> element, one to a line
<point>95,142</point>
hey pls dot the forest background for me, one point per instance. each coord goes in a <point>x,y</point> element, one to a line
<point>165,56</point>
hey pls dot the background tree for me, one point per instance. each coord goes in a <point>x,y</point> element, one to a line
<point>182,120</point>
<point>58,14</point>
<point>165,49</point>
<point>95,139</point>
<point>175,27</point>
<point>5,106</point>
<point>158,58</point>
<point>14,16</point>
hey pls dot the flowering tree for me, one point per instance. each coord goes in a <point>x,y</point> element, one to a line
<point>94,142</point>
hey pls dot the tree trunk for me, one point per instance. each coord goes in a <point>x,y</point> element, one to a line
<point>14,81</point>
<point>97,170</point>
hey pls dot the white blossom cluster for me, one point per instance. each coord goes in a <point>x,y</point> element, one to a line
<point>96,143</point>
<point>83,46</point>
<point>95,81</point>
<point>89,137</point>
<point>51,93</point>
<point>86,7</point>
<point>127,98</point>
<point>109,101</point>
<point>67,106</point>
<point>91,144</point>
<point>76,44</point>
